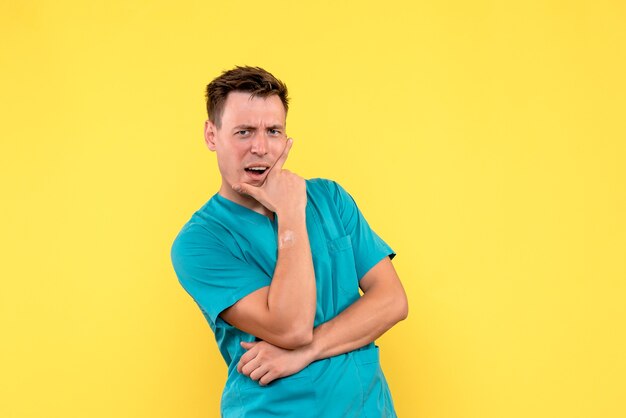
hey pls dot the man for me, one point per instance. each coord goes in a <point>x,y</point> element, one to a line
<point>275,263</point>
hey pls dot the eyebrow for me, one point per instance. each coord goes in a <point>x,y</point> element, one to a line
<point>250,127</point>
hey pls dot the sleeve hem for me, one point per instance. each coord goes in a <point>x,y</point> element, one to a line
<point>375,259</point>
<point>236,297</point>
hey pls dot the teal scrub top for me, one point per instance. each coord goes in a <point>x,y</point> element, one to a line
<point>227,251</point>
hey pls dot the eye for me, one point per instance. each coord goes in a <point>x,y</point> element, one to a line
<point>274,131</point>
<point>242,132</point>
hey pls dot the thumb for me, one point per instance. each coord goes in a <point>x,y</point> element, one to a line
<point>247,345</point>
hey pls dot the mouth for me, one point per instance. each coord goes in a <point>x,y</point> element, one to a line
<point>256,172</point>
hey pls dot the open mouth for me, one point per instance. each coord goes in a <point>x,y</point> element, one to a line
<point>256,172</point>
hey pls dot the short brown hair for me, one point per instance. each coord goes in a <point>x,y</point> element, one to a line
<point>255,80</point>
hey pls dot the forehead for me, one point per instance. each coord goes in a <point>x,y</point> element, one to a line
<point>241,108</point>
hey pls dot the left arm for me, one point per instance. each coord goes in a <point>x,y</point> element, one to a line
<point>383,304</point>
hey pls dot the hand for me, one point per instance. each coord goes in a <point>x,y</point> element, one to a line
<point>282,191</point>
<point>265,362</point>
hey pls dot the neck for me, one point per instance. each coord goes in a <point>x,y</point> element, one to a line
<point>227,192</point>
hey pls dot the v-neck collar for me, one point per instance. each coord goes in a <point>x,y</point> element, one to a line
<point>243,212</point>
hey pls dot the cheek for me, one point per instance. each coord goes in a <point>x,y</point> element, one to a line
<point>231,157</point>
<point>277,148</point>
<point>227,161</point>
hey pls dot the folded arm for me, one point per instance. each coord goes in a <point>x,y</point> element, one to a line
<point>383,304</point>
<point>282,313</point>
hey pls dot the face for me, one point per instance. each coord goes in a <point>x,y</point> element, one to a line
<point>252,134</point>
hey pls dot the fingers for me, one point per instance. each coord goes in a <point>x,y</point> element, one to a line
<point>263,374</point>
<point>278,165</point>
<point>267,378</point>
<point>250,366</point>
<point>259,372</point>
<point>248,345</point>
<point>247,189</point>
<point>247,356</point>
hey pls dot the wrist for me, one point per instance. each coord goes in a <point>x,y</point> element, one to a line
<point>291,216</point>
<point>310,352</point>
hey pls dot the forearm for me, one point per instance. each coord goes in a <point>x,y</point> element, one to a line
<point>292,294</point>
<point>383,304</point>
<point>361,323</point>
<point>353,328</point>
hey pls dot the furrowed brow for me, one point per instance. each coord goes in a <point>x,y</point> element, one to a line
<point>246,127</point>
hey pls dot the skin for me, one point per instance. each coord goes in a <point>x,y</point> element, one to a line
<point>382,305</point>
<point>282,314</point>
<point>252,132</point>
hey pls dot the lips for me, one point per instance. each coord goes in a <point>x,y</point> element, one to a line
<point>256,171</point>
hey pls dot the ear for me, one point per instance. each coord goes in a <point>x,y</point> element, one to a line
<point>210,132</point>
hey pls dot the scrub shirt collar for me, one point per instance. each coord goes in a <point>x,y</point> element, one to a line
<point>243,212</point>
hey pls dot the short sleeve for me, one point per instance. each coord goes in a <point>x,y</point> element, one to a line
<point>212,275</point>
<point>368,247</point>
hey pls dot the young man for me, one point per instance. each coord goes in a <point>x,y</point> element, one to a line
<point>275,263</point>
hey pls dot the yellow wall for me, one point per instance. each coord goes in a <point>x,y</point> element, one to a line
<point>485,141</point>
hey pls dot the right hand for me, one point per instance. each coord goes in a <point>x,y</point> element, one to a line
<point>265,362</point>
<point>282,191</point>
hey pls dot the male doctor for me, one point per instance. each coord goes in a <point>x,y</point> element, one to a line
<point>275,263</point>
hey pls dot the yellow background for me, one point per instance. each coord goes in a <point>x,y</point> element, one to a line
<point>484,141</point>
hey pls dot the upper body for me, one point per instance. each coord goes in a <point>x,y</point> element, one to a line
<point>227,251</point>
<point>275,262</point>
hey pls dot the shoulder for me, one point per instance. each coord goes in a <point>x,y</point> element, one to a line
<point>327,187</point>
<point>330,190</point>
<point>202,230</point>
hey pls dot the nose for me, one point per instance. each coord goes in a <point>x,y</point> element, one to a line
<point>259,144</point>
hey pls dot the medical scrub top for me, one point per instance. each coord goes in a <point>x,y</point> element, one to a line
<point>227,251</point>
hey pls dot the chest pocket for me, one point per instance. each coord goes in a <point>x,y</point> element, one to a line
<point>344,268</point>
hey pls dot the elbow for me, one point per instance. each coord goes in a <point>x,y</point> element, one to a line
<point>291,334</point>
<point>297,338</point>
<point>404,313</point>
<point>291,337</point>
<point>402,308</point>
